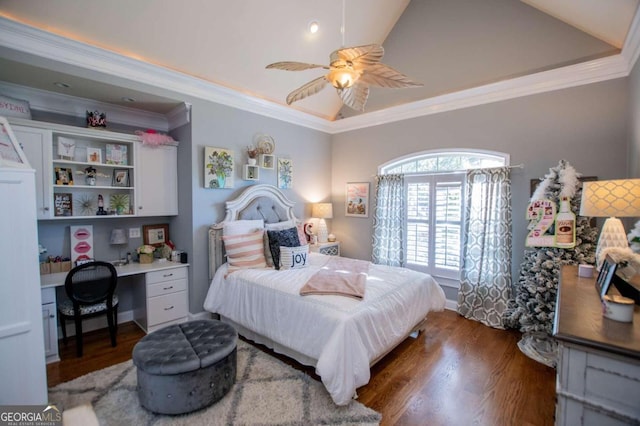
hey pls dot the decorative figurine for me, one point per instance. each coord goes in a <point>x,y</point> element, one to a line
<point>90,176</point>
<point>96,119</point>
<point>101,211</point>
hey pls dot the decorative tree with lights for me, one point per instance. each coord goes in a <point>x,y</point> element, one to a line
<point>532,308</point>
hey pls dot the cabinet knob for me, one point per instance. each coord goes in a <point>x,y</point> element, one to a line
<point>167,275</point>
<point>52,316</point>
<point>167,288</point>
<point>169,308</point>
<point>46,209</point>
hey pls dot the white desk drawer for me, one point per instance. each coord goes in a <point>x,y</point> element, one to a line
<point>166,275</point>
<point>167,287</point>
<point>48,295</point>
<point>167,307</point>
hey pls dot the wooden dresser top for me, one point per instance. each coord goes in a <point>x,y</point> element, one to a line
<point>579,319</point>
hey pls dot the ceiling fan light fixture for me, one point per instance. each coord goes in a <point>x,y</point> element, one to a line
<point>314,26</point>
<point>342,78</point>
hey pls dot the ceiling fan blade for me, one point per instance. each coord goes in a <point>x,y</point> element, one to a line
<point>382,75</point>
<point>355,96</point>
<point>360,56</point>
<point>294,66</point>
<point>311,88</point>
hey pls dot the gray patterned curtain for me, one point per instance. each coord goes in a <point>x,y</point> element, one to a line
<point>389,221</point>
<point>485,285</point>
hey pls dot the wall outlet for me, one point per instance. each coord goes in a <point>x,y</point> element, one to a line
<point>134,232</point>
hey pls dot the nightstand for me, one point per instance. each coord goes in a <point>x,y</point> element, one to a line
<point>331,249</point>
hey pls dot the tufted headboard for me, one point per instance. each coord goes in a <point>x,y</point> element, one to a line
<point>264,202</point>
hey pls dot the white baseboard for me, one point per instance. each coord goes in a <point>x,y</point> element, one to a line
<point>200,315</point>
<point>451,305</point>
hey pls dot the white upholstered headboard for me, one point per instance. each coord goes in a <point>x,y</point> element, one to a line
<point>264,202</point>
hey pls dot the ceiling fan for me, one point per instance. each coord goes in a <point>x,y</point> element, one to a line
<point>351,71</point>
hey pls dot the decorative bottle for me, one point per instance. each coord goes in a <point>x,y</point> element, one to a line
<point>565,226</point>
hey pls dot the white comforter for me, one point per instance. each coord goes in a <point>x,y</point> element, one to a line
<point>343,334</point>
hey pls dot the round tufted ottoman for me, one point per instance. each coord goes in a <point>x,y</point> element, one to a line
<point>185,367</point>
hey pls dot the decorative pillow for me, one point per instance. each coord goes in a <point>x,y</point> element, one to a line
<point>277,226</point>
<point>283,238</point>
<point>301,235</point>
<point>12,107</point>
<point>238,227</point>
<point>294,257</point>
<point>244,251</point>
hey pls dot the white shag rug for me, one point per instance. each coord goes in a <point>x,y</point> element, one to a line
<point>266,392</point>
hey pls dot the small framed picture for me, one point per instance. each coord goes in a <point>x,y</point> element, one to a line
<point>94,155</point>
<point>120,177</point>
<point>605,276</point>
<point>155,235</point>
<point>267,161</point>
<point>63,204</point>
<point>285,173</point>
<point>66,148</point>
<point>64,176</point>
<point>251,172</point>
<point>357,199</point>
<point>116,154</point>
<point>11,154</point>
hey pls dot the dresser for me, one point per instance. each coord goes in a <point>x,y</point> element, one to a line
<point>328,248</point>
<point>598,373</point>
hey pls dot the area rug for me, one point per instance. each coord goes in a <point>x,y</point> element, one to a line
<point>267,392</point>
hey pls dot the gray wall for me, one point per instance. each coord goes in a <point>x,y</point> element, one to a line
<point>220,126</point>
<point>634,121</point>
<point>585,125</point>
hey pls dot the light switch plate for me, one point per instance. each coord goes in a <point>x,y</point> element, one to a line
<point>134,232</point>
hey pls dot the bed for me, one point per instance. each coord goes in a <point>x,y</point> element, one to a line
<point>340,336</point>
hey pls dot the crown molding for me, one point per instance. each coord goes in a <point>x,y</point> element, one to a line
<point>179,116</point>
<point>33,41</point>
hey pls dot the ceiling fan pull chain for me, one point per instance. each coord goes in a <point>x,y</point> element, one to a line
<point>343,29</point>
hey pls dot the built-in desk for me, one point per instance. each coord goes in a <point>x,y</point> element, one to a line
<point>598,377</point>
<point>160,298</point>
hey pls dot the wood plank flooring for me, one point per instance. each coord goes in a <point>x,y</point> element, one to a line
<point>458,372</point>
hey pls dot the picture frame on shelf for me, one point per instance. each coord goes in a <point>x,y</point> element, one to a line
<point>605,276</point>
<point>64,176</point>
<point>62,204</point>
<point>267,161</point>
<point>120,178</point>
<point>66,148</point>
<point>11,154</point>
<point>116,154</point>
<point>285,173</point>
<point>94,155</point>
<point>155,235</point>
<point>357,199</point>
<point>251,172</point>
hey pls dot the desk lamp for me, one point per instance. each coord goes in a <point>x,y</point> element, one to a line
<point>118,238</point>
<point>322,211</point>
<point>612,199</point>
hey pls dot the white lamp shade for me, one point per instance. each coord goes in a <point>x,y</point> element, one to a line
<point>322,210</point>
<point>607,198</point>
<point>118,236</point>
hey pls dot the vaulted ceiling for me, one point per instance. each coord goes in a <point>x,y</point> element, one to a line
<point>449,46</point>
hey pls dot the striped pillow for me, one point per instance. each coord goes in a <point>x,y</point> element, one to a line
<point>244,251</point>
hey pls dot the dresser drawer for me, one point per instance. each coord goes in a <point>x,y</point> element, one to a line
<point>166,287</point>
<point>166,275</point>
<point>167,307</point>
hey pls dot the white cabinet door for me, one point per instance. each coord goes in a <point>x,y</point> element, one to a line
<point>36,144</point>
<point>157,180</point>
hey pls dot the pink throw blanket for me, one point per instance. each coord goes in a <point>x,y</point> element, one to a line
<point>340,276</point>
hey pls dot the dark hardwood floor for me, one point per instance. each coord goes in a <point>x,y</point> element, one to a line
<point>458,372</point>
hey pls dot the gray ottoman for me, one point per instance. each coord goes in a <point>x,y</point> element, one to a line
<point>185,367</point>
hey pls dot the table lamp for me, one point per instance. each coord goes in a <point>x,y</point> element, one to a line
<point>118,238</point>
<point>322,211</point>
<point>612,199</point>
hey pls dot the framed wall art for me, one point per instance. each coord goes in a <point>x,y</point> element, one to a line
<point>267,161</point>
<point>94,155</point>
<point>357,199</point>
<point>64,176</point>
<point>116,154</point>
<point>285,173</point>
<point>155,235</point>
<point>218,167</point>
<point>62,204</point>
<point>120,177</point>
<point>11,154</point>
<point>66,148</point>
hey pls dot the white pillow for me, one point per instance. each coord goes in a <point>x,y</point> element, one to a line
<point>239,227</point>
<point>294,257</point>
<point>244,251</point>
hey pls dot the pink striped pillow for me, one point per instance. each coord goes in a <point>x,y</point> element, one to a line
<point>245,251</point>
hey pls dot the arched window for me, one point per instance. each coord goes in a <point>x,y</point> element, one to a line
<point>435,198</point>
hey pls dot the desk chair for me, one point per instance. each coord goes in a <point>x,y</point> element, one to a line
<point>90,288</point>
